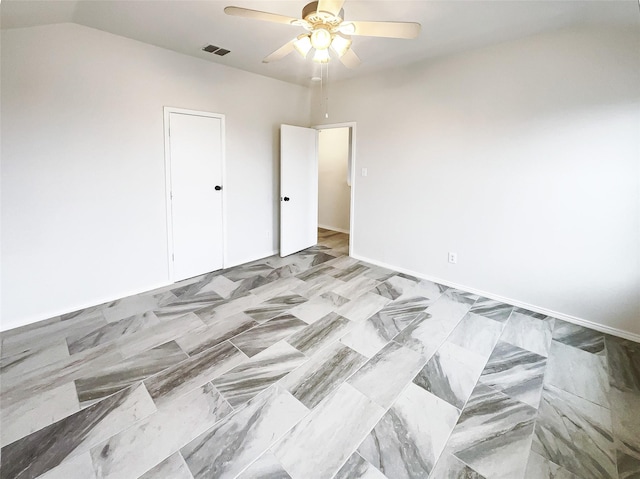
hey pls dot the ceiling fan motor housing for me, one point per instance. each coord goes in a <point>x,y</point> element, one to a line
<point>311,14</point>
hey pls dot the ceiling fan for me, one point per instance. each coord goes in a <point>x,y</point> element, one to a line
<point>327,29</point>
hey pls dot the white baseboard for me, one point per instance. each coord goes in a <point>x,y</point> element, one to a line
<point>251,259</point>
<point>333,228</point>
<point>106,299</point>
<point>51,314</point>
<point>536,309</point>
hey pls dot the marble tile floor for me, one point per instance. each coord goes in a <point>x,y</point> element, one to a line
<point>316,366</point>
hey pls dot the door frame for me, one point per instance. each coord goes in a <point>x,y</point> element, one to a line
<point>352,174</point>
<point>167,176</point>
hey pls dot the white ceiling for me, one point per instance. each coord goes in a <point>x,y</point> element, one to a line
<point>447,26</point>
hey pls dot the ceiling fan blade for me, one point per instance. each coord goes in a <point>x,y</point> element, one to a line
<point>406,30</point>
<point>258,15</point>
<point>350,59</point>
<point>281,52</point>
<point>331,6</point>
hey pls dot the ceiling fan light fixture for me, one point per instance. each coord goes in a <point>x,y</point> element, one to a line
<point>340,44</point>
<point>303,45</point>
<point>322,56</point>
<point>321,38</point>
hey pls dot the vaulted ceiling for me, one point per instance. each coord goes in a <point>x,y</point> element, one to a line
<point>448,26</point>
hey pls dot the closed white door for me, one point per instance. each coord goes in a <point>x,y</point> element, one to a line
<point>195,167</point>
<point>298,189</point>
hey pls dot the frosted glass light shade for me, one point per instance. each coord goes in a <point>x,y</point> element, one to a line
<point>340,44</point>
<point>322,56</point>
<point>320,39</point>
<point>303,45</point>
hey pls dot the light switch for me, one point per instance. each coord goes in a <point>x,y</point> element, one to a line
<point>364,172</point>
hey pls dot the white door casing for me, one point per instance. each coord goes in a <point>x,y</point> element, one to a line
<point>298,188</point>
<point>194,174</point>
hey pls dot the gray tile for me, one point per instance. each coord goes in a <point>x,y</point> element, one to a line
<point>529,332</point>
<point>625,414</point>
<point>477,333</point>
<point>624,364</point>
<point>579,337</point>
<point>385,375</point>
<point>76,467</point>
<point>575,434</point>
<point>355,287</point>
<point>275,306</point>
<point>320,334</point>
<point>120,375</point>
<point>246,380</point>
<point>516,372</point>
<point>229,447</point>
<point>172,467</point>
<point>322,374</point>
<point>539,467</point>
<point>363,307</point>
<point>427,333</point>
<point>410,437</point>
<point>451,374</point>
<point>267,467</point>
<point>493,435</point>
<point>357,468</point>
<point>186,305</point>
<point>46,333</point>
<point>314,309</point>
<point>13,367</point>
<point>373,334</point>
<point>193,372</point>
<point>492,309</point>
<point>628,466</point>
<point>578,372</point>
<point>332,431</point>
<point>110,332</point>
<point>136,305</point>
<point>43,450</point>
<point>450,467</point>
<point>261,337</point>
<point>160,434</point>
<point>215,332</point>
<point>37,411</point>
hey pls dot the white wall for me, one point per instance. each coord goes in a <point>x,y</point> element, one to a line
<point>523,158</point>
<point>334,194</point>
<point>83,195</point>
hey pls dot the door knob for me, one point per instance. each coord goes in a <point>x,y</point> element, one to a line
<point>218,188</point>
<point>286,198</point>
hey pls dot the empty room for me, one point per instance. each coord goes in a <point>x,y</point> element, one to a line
<point>334,239</point>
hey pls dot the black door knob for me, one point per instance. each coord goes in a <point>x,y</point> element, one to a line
<point>286,198</point>
<point>218,187</point>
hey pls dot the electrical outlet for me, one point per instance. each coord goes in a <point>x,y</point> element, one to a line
<point>453,257</point>
<point>364,172</point>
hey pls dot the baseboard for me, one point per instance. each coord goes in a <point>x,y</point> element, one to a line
<point>36,318</point>
<point>251,259</point>
<point>106,299</point>
<point>531,307</point>
<point>333,228</point>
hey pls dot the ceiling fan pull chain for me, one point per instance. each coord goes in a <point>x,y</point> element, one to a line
<point>326,112</point>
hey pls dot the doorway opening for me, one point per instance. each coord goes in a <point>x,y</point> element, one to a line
<point>336,148</point>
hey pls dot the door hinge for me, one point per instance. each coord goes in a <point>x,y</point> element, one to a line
<point>171,195</point>
<point>173,257</point>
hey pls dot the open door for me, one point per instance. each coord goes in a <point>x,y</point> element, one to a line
<point>298,189</point>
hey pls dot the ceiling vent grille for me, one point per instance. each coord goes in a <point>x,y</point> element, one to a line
<point>217,50</point>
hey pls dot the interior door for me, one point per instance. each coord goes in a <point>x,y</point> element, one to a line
<point>298,189</point>
<point>196,194</point>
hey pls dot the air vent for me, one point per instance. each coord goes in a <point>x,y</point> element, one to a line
<point>217,50</point>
